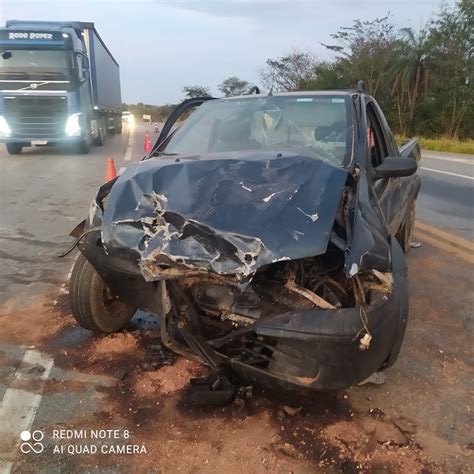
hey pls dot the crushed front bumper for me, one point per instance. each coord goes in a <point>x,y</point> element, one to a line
<point>320,349</point>
<point>316,349</point>
<point>313,349</point>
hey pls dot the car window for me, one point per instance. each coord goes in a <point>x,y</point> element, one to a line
<point>375,139</point>
<point>197,136</point>
<point>308,125</point>
<point>392,147</point>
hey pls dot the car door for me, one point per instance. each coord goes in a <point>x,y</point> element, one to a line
<point>167,130</point>
<point>403,190</point>
<point>380,145</point>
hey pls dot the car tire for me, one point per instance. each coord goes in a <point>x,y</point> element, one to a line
<point>399,336</point>
<point>92,304</point>
<point>14,148</point>
<point>400,282</point>
<point>405,233</point>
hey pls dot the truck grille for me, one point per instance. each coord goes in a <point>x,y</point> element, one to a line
<point>36,117</point>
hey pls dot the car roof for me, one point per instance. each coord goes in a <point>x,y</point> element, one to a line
<point>338,92</point>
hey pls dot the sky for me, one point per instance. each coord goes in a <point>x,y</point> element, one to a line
<point>162,46</point>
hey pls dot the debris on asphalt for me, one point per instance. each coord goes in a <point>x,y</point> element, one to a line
<point>36,369</point>
<point>377,378</point>
<point>328,437</point>
<point>404,425</point>
<point>383,431</point>
<point>120,374</point>
<point>290,410</point>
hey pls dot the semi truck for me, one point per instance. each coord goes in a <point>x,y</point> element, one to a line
<point>59,85</point>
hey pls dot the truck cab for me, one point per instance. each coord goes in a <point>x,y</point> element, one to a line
<point>50,90</point>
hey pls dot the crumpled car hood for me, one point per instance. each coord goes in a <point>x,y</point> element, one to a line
<point>226,213</point>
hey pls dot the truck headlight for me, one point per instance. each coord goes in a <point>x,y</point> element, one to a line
<point>73,127</point>
<point>5,130</point>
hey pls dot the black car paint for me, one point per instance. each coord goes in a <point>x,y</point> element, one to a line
<point>330,356</point>
<point>230,213</point>
<point>324,343</point>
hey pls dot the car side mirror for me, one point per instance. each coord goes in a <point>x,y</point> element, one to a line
<point>395,167</point>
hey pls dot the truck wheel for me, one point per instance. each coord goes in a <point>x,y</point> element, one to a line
<point>83,147</point>
<point>100,139</point>
<point>14,148</point>
<point>405,233</point>
<point>92,304</point>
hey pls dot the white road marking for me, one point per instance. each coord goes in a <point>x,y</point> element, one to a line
<point>466,161</point>
<point>448,173</point>
<point>131,140</point>
<point>6,468</point>
<point>19,407</point>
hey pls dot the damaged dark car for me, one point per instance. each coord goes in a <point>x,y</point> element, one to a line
<point>269,235</point>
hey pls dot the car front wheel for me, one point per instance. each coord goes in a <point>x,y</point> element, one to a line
<point>92,303</point>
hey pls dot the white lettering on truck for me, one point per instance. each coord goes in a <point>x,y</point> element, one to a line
<point>22,35</point>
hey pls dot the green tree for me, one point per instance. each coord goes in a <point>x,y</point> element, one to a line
<point>411,79</point>
<point>233,86</point>
<point>327,76</point>
<point>451,60</point>
<point>289,72</point>
<point>367,50</point>
<point>196,91</point>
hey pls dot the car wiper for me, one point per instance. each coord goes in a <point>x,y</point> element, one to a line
<point>163,153</point>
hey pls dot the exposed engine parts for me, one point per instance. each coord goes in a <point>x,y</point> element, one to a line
<point>317,282</point>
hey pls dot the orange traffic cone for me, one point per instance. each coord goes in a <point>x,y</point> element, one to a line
<point>111,172</point>
<point>147,144</point>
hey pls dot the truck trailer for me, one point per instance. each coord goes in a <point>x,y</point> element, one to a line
<point>59,85</point>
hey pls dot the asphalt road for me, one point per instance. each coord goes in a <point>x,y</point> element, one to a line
<point>56,375</point>
<point>446,200</point>
<point>44,194</point>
